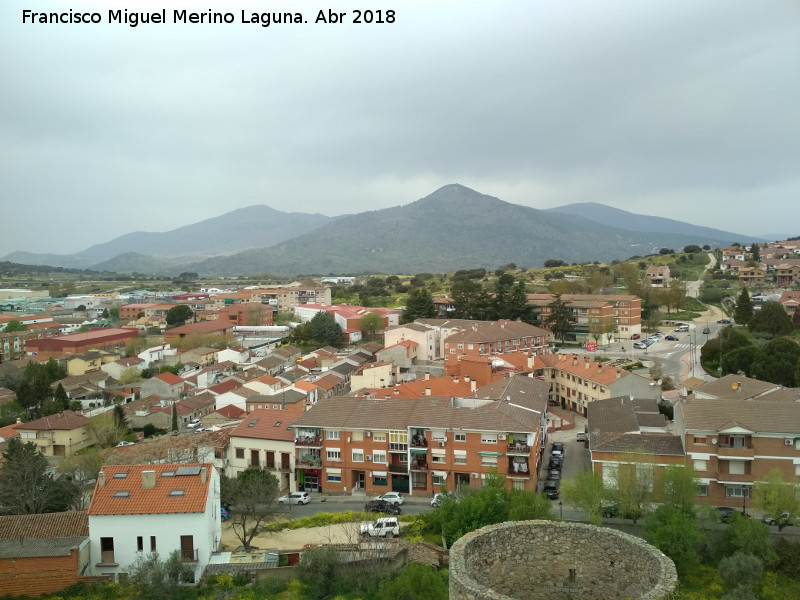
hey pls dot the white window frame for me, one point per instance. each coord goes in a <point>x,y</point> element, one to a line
<point>379,456</point>
<point>333,454</point>
<point>489,461</point>
<point>332,434</point>
<point>358,455</point>
<point>460,437</point>
<point>379,436</point>
<point>488,438</point>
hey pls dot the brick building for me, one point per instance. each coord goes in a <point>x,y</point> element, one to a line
<point>112,340</point>
<point>625,309</point>
<point>424,445</point>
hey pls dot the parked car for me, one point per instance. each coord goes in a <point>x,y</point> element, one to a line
<point>393,497</point>
<point>725,513</point>
<point>194,424</point>
<point>582,437</point>
<point>558,448</point>
<point>551,489</point>
<point>124,443</point>
<point>724,321</point>
<point>671,338</point>
<point>554,474</point>
<point>437,499</point>
<point>635,336</point>
<point>682,328</point>
<point>295,498</point>
<point>657,335</point>
<point>382,506</point>
<point>785,519</point>
<point>384,527</point>
<point>706,330</point>
<point>247,549</point>
<point>555,462</point>
<point>640,345</point>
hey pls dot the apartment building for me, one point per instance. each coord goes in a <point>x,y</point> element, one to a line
<point>577,381</point>
<point>589,311</point>
<point>734,442</point>
<point>128,312</point>
<point>483,339</point>
<point>423,445</point>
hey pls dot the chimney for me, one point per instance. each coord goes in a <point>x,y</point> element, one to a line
<point>148,480</point>
<point>427,391</point>
<point>396,391</point>
<point>618,374</point>
<point>574,360</point>
<point>427,376</point>
<point>473,386</point>
<point>586,364</point>
<point>101,478</point>
<point>466,378</point>
<point>455,379</point>
<point>203,474</point>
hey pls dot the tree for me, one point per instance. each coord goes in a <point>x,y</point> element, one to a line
<point>778,498</point>
<point>13,326</point>
<point>772,318</point>
<point>518,303</point>
<point>691,249</point>
<point>675,295</point>
<point>744,308</point>
<point>105,429</point>
<point>776,362</point>
<point>586,492</point>
<point>178,315</point>
<point>416,582</point>
<point>130,375</point>
<point>113,313</point>
<point>319,569</point>
<point>10,412</point>
<point>252,494</point>
<point>174,418</point>
<point>502,294</point>
<point>255,314</point>
<point>82,469</point>
<point>749,536</point>
<point>471,301</point>
<point>60,397</point>
<point>26,486</point>
<point>325,329</point>
<point>677,486</point>
<point>419,305</point>
<point>560,319</point>
<point>370,323</point>
<point>120,420</point>
<point>676,533</point>
<point>157,579</point>
<point>633,482</point>
<point>527,506</point>
<point>755,253</point>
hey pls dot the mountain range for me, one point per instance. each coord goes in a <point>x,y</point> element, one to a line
<point>453,228</point>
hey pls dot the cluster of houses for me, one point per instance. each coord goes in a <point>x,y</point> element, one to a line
<point>777,264</point>
<point>441,403</point>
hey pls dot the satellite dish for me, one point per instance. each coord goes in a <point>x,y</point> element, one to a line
<point>659,382</point>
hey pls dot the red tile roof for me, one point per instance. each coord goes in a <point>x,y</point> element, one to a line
<point>111,498</point>
<point>169,378</point>
<point>50,525</point>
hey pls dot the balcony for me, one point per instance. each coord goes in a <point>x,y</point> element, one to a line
<point>735,478</point>
<point>398,469</point>
<point>518,469</point>
<point>518,449</point>
<point>308,461</point>
<point>397,447</point>
<point>418,465</point>
<point>737,453</point>
<point>189,555</point>
<point>309,441</point>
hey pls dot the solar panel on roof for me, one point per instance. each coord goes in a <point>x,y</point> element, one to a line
<point>188,471</point>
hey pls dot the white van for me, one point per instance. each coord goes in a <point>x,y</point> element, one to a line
<point>682,328</point>
<point>383,527</point>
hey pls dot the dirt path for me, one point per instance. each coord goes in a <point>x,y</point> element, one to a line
<point>295,539</point>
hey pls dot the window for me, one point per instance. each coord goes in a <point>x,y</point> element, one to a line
<point>240,453</point>
<point>378,437</point>
<point>488,438</point>
<point>274,407</point>
<point>737,491</point>
<point>700,465</point>
<point>700,440</point>
<point>139,543</point>
<point>488,461</point>
<point>358,456</point>
<point>438,456</point>
<point>736,467</point>
<point>152,543</point>
<point>452,350</point>
<point>702,489</point>
<point>379,456</point>
<point>334,475</point>
<point>107,551</point>
<point>459,457</point>
<point>334,454</point>
<point>470,346</point>
<point>438,479</point>
<point>460,346</point>
<point>331,434</point>
<point>518,484</point>
<point>460,437</point>
<point>380,480</point>
<point>270,459</point>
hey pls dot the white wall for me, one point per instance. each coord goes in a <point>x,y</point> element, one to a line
<point>206,528</point>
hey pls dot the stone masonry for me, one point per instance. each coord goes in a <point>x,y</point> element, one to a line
<point>553,560</point>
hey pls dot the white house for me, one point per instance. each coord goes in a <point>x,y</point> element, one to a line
<point>265,439</point>
<point>138,509</point>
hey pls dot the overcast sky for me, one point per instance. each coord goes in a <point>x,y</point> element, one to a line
<point>688,110</point>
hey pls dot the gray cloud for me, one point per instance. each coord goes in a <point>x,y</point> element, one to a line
<point>685,110</point>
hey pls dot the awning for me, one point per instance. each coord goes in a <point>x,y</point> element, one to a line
<point>379,474</point>
<point>331,471</point>
<point>490,454</point>
<point>442,474</point>
<point>419,450</point>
